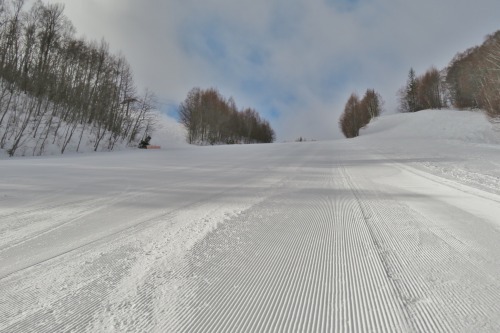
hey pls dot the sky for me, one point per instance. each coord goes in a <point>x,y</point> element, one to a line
<point>295,61</point>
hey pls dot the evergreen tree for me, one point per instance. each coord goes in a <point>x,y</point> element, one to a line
<point>410,93</point>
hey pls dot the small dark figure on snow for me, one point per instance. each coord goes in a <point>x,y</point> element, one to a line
<point>145,143</point>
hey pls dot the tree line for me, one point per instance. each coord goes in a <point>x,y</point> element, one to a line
<point>470,81</point>
<point>358,113</point>
<point>55,87</point>
<point>212,119</point>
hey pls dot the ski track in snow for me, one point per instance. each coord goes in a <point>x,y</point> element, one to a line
<point>308,266</point>
<point>310,237</point>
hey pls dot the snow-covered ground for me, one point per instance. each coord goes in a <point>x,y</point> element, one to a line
<point>395,231</point>
<point>168,133</point>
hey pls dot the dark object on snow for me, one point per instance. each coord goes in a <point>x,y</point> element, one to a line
<point>145,143</point>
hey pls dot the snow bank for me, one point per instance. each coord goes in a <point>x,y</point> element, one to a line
<point>465,126</point>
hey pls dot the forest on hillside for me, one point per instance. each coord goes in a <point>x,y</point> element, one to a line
<point>59,89</point>
<point>470,81</point>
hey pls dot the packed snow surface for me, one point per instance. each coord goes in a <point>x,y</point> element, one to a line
<point>395,231</point>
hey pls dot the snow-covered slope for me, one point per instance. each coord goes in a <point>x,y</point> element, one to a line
<point>458,145</point>
<point>394,231</point>
<point>167,133</point>
<point>465,126</point>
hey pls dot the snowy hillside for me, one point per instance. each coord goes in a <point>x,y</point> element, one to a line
<point>458,145</point>
<point>167,133</point>
<point>464,126</point>
<point>393,231</point>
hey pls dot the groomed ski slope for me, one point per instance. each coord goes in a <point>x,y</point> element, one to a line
<point>395,231</point>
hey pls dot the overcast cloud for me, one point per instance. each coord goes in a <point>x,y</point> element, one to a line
<point>295,61</point>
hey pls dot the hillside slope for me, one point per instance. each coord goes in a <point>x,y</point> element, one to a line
<point>463,126</point>
<point>459,145</point>
<point>167,133</point>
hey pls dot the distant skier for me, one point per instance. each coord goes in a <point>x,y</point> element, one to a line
<point>145,143</point>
